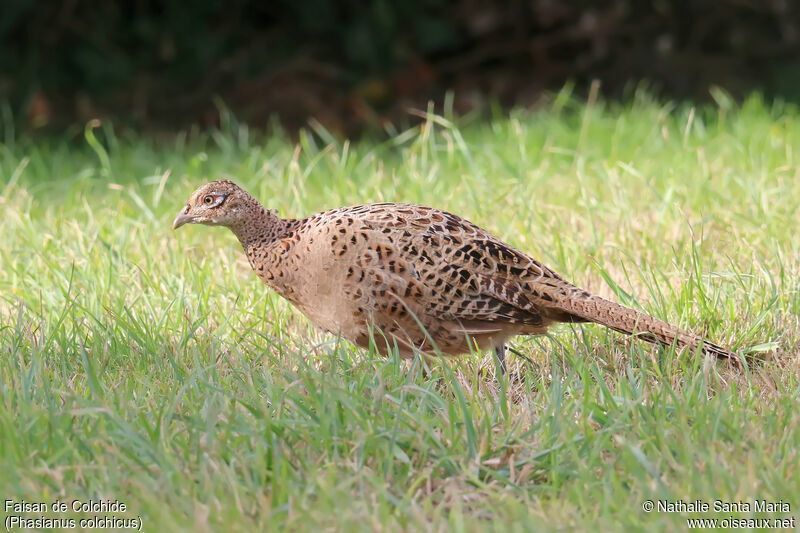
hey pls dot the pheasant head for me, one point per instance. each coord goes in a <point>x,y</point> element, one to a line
<point>219,203</point>
<point>223,203</point>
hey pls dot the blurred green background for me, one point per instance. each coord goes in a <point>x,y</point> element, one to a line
<point>356,65</point>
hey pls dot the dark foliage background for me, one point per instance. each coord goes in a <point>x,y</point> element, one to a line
<point>353,63</point>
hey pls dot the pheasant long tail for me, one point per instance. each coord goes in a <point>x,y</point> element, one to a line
<point>632,322</point>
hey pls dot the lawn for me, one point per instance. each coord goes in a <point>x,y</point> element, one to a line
<point>152,368</point>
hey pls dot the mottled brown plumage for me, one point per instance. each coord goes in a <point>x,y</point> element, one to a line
<point>424,278</point>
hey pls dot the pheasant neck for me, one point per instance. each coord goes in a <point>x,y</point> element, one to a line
<point>260,227</point>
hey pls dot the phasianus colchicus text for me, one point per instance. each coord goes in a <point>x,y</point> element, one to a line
<point>412,277</point>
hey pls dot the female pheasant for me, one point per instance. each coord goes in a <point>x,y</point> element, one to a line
<point>419,278</point>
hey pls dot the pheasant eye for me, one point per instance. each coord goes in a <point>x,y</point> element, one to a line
<point>208,200</point>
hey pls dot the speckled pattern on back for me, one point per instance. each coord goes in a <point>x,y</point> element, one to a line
<point>414,277</point>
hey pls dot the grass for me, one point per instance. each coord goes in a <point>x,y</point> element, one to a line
<point>153,368</point>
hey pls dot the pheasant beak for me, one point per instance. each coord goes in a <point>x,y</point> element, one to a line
<point>181,219</point>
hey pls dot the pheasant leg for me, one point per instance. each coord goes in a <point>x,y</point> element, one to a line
<point>500,353</point>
